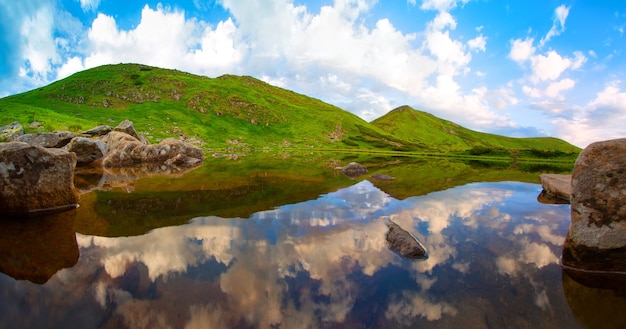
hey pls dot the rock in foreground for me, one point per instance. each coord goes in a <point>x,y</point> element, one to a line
<point>596,240</point>
<point>34,179</point>
<point>404,243</point>
<point>557,186</point>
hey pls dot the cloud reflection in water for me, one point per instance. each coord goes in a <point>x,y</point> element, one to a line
<point>492,252</point>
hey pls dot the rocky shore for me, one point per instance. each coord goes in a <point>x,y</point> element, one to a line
<point>37,170</point>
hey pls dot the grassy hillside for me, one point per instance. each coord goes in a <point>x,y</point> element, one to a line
<point>229,111</point>
<point>241,112</point>
<point>424,129</point>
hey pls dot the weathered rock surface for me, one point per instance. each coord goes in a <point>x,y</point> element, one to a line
<point>596,240</point>
<point>125,150</point>
<point>557,186</point>
<point>11,132</point>
<point>404,243</point>
<point>354,170</point>
<point>49,140</point>
<point>128,127</point>
<point>87,150</point>
<point>34,179</point>
<point>98,131</point>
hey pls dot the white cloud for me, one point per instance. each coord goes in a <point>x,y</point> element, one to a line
<point>558,24</point>
<point>440,5</point>
<point>39,49</point>
<point>600,119</point>
<point>478,43</point>
<point>521,51</point>
<point>89,5</point>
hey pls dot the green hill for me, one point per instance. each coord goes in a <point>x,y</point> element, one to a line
<point>228,111</point>
<point>239,112</point>
<point>424,129</point>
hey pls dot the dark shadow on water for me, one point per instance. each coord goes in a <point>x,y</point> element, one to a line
<point>35,248</point>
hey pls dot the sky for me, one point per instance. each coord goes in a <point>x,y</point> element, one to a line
<point>516,68</point>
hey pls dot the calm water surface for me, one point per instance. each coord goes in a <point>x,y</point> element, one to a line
<point>320,262</point>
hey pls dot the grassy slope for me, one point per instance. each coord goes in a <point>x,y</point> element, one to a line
<point>425,129</point>
<point>235,111</point>
<point>225,111</point>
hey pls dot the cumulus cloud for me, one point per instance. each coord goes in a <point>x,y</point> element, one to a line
<point>600,119</point>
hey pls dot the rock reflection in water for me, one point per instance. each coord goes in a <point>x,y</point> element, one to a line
<point>35,248</point>
<point>325,263</point>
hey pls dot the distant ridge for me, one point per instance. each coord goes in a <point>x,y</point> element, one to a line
<point>423,128</point>
<point>239,112</point>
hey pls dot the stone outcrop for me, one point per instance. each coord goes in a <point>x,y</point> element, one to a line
<point>354,170</point>
<point>404,242</point>
<point>11,132</point>
<point>34,179</point>
<point>98,131</point>
<point>596,240</point>
<point>126,150</point>
<point>557,186</point>
<point>128,127</point>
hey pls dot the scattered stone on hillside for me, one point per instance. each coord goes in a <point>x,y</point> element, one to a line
<point>596,240</point>
<point>87,150</point>
<point>98,131</point>
<point>11,132</point>
<point>382,177</point>
<point>354,170</point>
<point>127,127</point>
<point>34,179</point>
<point>403,242</point>
<point>35,125</point>
<point>49,140</point>
<point>556,186</point>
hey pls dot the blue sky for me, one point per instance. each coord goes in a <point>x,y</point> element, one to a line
<point>517,68</point>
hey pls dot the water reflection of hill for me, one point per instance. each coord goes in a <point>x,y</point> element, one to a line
<point>132,204</point>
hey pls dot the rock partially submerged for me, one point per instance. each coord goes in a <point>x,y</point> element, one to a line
<point>404,242</point>
<point>354,170</point>
<point>556,187</point>
<point>34,179</point>
<point>596,240</point>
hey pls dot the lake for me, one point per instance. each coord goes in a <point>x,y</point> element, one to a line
<point>293,243</point>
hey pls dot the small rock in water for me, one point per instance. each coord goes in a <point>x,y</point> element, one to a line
<point>404,242</point>
<point>354,170</point>
<point>382,177</point>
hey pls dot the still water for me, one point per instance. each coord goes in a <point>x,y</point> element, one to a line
<point>265,248</point>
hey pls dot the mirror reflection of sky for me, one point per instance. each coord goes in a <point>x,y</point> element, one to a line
<point>492,262</point>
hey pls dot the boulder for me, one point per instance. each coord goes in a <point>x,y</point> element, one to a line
<point>127,127</point>
<point>87,150</point>
<point>596,240</point>
<point>98,131</point>
<point>125,150</point>
<point>11,132</point>
<point>34,179</point>
<point>49,140</point>
<point>404,242</point>
<point>354,170</point>
<point>556,186</point>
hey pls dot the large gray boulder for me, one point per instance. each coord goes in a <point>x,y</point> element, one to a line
<point>87,150</point>
<point>596,240</point>
<point>34,179</point>
<point>128,127</point>
<point>50,140</point>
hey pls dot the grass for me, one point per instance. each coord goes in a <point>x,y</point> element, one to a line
<point>241,112</point>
